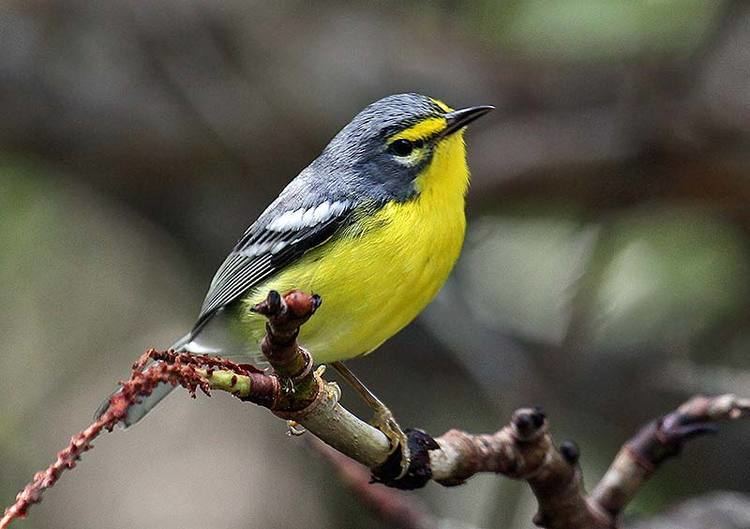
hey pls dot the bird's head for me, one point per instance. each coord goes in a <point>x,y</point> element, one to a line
<point>389,148</point>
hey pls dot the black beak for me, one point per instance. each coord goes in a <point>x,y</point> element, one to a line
<point>460,118</point>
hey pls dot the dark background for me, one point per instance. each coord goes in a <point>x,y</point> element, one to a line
<point>605,275</point>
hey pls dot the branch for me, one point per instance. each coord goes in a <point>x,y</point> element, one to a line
<point>141,383</point>
<point>522,450</point>
<point>660,440</point>
<point>293,392</point>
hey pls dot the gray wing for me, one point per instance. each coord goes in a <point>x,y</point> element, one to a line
<point>276,240</point>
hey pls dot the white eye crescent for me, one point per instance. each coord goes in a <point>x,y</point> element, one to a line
<point>407,152</point>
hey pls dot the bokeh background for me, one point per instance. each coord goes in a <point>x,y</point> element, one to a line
<point>605,275</point>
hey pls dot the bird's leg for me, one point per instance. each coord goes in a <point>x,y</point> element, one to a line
<point>382,419</point>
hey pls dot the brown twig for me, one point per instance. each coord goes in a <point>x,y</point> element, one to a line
<point>660,440</point>
<point>141,383</point>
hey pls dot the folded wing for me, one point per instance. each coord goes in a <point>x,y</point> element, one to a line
<point>274,242</point>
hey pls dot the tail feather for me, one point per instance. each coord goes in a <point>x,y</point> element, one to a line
<point>139,410</point>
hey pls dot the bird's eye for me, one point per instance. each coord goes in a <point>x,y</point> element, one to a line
<point>402,147</point>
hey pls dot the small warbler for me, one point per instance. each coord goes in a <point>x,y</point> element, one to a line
<point>374,226</point>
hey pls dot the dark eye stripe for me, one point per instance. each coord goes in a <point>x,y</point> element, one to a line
<point>437,108</point>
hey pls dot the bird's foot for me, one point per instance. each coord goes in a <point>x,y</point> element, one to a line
<point>287,385</point>
<point>384,421</point>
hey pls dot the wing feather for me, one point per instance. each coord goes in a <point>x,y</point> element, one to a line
<point>269,246</point>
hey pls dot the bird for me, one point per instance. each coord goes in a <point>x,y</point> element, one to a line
<point>374,226</point>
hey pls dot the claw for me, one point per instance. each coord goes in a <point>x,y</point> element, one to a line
<point>384,421</point>
<point>287,385</point>
<point>295,429</point>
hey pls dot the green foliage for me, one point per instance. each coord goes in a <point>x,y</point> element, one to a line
<point>584,30</point>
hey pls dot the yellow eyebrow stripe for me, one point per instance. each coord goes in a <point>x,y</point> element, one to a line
<point>445,108</point>
<point>424,129</point>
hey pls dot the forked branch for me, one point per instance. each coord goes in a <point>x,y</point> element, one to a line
<point>522,450</point>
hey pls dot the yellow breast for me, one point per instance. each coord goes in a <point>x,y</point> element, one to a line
<point>380,273</point>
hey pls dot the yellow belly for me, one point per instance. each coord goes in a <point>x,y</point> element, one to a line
<point>372,285</point>
<point>380,273</point>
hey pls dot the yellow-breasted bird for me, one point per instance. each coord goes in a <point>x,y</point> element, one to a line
<point>374,226</point>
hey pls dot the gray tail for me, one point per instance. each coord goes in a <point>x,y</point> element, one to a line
<point>139,410</point>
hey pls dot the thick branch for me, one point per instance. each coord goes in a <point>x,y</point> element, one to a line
<point>522,450</point>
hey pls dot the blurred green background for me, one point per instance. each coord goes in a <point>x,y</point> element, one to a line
<point>605,275</point>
